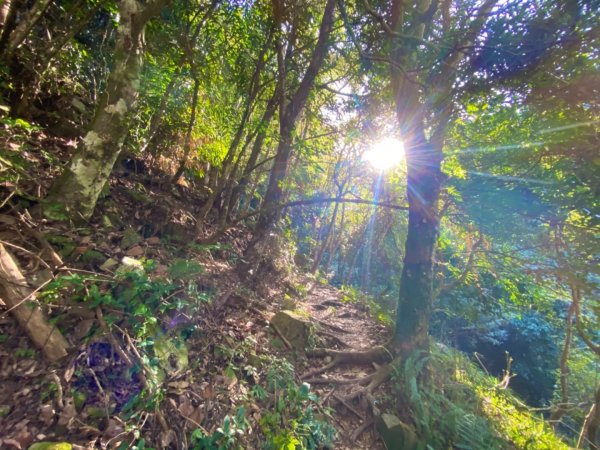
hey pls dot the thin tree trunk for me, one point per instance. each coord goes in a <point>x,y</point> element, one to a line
<point>187,144</point>
<point>288,117</point>
<point>564,369</point>
<point>325,240</point>
<point>591,424</point>
<point>226,176</point>
<point>75,192</point>
<point>15,37</point>
<point>240,191</point>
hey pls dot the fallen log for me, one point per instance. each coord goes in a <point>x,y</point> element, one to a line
<point>21,302</point>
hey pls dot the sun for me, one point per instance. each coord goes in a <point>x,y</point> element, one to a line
<point>385,153</point>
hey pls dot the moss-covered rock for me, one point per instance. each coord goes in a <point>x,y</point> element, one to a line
<point>130,238</point>
<point>93,257</point>
<point>396,434</point>
<point>296,329</point>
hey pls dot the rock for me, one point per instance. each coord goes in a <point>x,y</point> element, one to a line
<point>396,434</point>
<point>296,329</point>
<point>132,264</point>
<point>47,414</point>
<point>172,354</point>
<point>130,238</point>
<point>288,303</point>
<point>135,251</point>
<point>154,240</point>
<point>109,264</point>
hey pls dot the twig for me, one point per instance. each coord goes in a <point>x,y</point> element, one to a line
<point>32,294</point>
<point>112,338</point>
<point>59,390</point>
<point>101,391</point>
<point>159,416</point>
<point>341,380</point>
<point>283,338</point>
<point>362,429</point>
<point>318,370</point>
<point>349,406</point>
<point>326,397</point>
<point>29,252</point>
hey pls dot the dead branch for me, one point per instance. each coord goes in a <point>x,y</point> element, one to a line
<point>13,289</point>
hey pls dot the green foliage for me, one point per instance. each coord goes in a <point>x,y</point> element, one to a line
<point>293,422</point>
<point>226,437</point>
<point>374,307</point>
<point>454,404</point>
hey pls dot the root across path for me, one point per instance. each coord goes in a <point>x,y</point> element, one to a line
<point>351,367</point>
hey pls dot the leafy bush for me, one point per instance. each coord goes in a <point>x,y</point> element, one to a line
<point>455,405</point>
<point>292,422</point>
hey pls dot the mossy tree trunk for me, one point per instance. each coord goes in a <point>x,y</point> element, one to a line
<point>422,104</point>
<point>75,193</point>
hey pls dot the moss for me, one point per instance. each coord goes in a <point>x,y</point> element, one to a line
<point>93,257</point>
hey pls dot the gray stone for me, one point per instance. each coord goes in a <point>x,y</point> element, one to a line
<point>396,434</point>
<point>296,329</point>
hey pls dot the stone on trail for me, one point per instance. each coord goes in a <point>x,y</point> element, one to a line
<point>396,434</point>
<point>296,329</point>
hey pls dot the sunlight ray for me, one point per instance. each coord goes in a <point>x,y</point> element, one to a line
<point>568,127</point>
<point>510,178</point>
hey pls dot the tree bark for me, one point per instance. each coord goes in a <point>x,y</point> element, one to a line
<point>564,369</point>
<point>21,302</point>
<point>288,116</point>
<point>75,193</point>
<point>187,145</point>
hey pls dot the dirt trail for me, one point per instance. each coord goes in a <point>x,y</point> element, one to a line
<point>348,321</point>
<point>346,326</point>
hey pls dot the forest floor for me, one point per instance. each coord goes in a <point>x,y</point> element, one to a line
<point>230,349</point>
<point>173,343</point>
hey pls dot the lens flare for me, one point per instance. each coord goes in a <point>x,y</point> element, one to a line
<point>385,153</point>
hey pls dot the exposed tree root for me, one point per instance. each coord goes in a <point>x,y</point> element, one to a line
<point>339,381</point>
<point>380,357</point>
<point>375,355</point>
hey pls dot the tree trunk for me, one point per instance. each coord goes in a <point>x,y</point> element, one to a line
<point>424,179</point>
<point>21,302</point>
<point>288,117</point>
<point>75,192</point>
<point>239,192</point>
<point>13,38</point>
<point>589,430</point>
<point>187,145</point>
<point>564,369</point>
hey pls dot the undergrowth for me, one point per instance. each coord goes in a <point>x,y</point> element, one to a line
<point>454,404</point>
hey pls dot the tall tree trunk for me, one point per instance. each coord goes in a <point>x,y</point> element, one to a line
<point>239,192</point>
<point>564,369</point>
<point>423,161</point>
<point>288,116</point>
<point>187,145</point>
<point>75,192</point>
